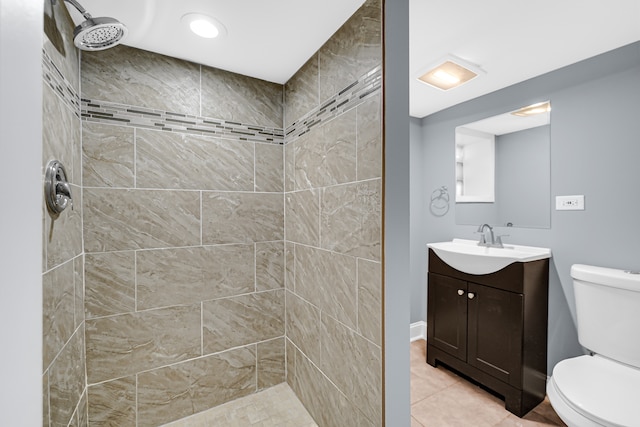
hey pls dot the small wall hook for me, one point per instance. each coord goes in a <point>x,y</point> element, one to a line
<point>57,191</point>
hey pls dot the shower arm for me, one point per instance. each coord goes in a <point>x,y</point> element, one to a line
<point>80,9</point>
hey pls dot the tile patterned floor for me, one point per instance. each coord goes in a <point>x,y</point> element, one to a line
<point>275,407</point>
<point>440,398</point>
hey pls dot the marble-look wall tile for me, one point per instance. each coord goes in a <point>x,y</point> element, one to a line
<point>289,254</point>
<point>303,217</point>
<point>303,326</point>
<point>269,266</point>
<point>45,399</point>
<point>353,50</point>
<point>289,166</point>
<point>174,160</point>
<point>78,281</point>
<point>351,219</point>
<point>246,319</point>
<point>271,363</point>
<point>137,77</point>
<point>58,299</point>
<point>370,300</point>
<point>180,390</point>
<point>269,168</point>
<point>109,283</point>
<point>290,364</point>
<point>361,379</point>
<point>140,219</point>
<point>60,134</point>
<point>328,280</point>
<point>67,380</point>
<point>123,345</point>
<point>301,92</point>
<point>370,139</point>
<point>189,275</point>
<point>326,404</point>
<point>113,403</point>
<point>107,155</point>
<point>81,416</point>
<point>327,155</point>
<point>63,232</point>
<point>241,217</point>
<point>239,98</point>
<point>58,41</point>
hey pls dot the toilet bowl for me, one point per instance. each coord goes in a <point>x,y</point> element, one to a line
<point>602,389</point>
<point>593,391</point>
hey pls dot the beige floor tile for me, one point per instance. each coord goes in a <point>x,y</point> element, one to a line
<point>415,423</point>
<point>440,398</point>
<point>275,407</point>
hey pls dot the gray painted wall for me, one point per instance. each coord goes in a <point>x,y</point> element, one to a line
<point>418,218</point>
<point>523,177</point>
<point>396,213</point>
<point>594,151</point>
<point>21,248</point>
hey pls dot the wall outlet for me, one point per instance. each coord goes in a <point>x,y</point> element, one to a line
<point>570,203</point>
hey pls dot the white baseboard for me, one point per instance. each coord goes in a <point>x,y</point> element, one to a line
<point>418,331</point>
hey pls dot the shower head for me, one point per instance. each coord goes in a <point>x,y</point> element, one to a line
<point>97,33</point>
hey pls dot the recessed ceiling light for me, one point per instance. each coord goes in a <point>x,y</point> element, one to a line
<point>450,73</point>
<point>203,25</point>
<point>532,110</point>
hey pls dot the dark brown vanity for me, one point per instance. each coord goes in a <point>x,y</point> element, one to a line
<point>492,327</point>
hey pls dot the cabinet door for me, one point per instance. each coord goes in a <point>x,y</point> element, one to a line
<point>495,332</point>
<point>447,315</point>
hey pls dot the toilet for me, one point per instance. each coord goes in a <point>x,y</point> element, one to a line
<point>602,389</point>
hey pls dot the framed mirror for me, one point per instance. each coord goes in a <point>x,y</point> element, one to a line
<point>503,169</point>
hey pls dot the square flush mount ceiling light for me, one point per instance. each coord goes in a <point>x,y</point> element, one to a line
<point>450,73</point>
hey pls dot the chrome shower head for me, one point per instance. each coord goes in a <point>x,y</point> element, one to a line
<point>97,33</point>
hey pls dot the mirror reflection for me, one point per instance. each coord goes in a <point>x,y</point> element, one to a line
<point>503,169</point>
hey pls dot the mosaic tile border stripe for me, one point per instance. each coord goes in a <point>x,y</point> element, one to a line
<point>54,78</point>
<point>127,115</point>
<point>350,97</point>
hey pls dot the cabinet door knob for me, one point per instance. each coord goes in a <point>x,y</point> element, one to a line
<point>460,292</point>
<point>471,295</point>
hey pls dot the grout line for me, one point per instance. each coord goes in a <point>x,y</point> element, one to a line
<point>167,248</point>
<point>202,328</point>
<point>135,281</point>
<point>135,158</point>
<point>255,267</point>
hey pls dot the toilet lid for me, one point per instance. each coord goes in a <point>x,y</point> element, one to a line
<point>600,389</point>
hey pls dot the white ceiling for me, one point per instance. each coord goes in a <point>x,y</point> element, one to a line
<point>511,40</point>
<point>269,40</point>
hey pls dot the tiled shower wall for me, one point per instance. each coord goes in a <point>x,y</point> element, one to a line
<point>64,378</point>
<point>184,236</point>
<point>333,205</point>
<point>184,203</point>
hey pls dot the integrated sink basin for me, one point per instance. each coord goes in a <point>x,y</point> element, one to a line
<point>467,256</point>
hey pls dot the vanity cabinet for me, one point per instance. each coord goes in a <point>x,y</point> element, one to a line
<point>492,328</point>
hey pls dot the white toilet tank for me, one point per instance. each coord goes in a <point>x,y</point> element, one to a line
<point>608,312</point>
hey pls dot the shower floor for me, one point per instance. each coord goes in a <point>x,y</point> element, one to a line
<point>276,406</point>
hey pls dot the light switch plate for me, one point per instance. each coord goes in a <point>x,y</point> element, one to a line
<point>570,203</point>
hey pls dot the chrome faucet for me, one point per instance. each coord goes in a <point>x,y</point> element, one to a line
<point>495,242</point>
